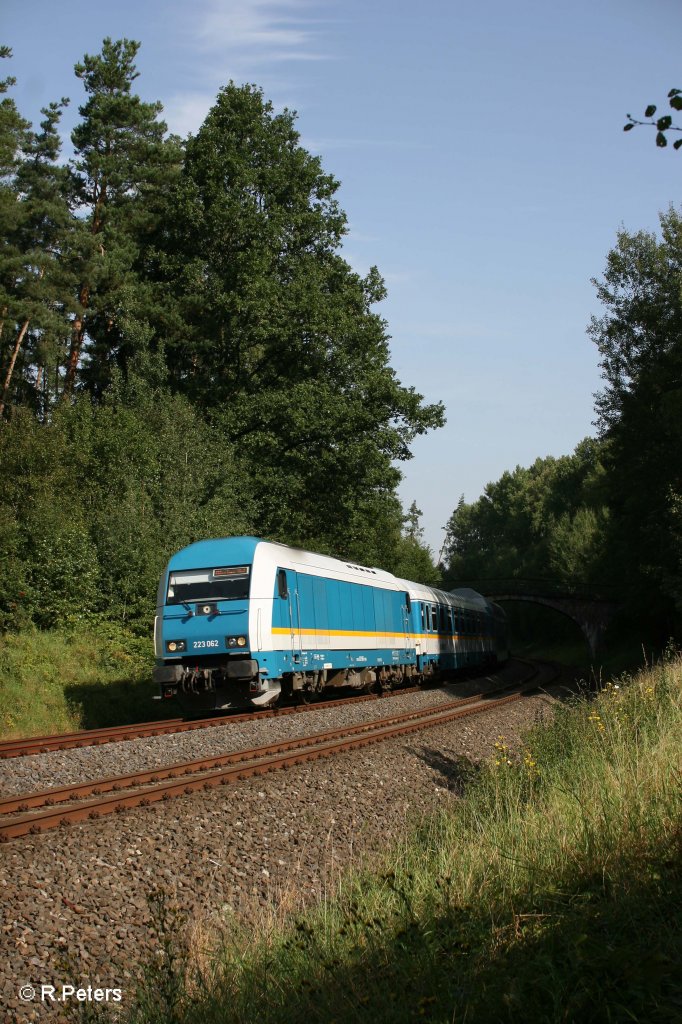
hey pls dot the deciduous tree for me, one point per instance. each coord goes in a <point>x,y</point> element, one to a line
<point>639,338</point>
<point>275,335</point>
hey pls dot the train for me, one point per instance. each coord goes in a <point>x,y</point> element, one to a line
<point>243,622</point>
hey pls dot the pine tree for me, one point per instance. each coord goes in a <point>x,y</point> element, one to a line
<point>123,163</point>
<point>13,134</point>
<point>40,301</point>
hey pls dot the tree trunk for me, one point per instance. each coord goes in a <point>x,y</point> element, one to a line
<point>10,369</point>
<point>77,335</point>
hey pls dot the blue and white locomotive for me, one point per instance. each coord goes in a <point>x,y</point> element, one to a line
<point>242,621</point>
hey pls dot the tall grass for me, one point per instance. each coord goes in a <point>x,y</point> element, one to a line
<point>551,892</point>
<point>55,681</point>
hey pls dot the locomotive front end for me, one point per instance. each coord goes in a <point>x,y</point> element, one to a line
<point>202,639</point>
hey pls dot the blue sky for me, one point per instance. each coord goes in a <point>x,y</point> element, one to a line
<point>483,169</point>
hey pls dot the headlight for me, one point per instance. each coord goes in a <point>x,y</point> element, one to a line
<point>176,646</point>
<point>235,641</point>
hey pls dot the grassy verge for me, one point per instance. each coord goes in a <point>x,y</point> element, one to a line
<point>53,681</point>
<point>551,893</point>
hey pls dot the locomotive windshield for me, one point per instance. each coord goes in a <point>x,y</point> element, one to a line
<point>229,583</point>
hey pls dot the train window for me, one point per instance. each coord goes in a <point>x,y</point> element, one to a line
<point>442,619</point>
<point>408,603</point>
<point>427,610</point>
<point>227,583</point>
<point>434,618</point>
<point>282,588</point>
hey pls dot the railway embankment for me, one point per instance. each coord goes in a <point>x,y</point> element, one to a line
<point>81,903</point>
<point>552,892</point>
<point>473,869</point>
<point>80,677</point>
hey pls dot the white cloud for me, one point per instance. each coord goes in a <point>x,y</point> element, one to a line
<point>241,40</point>
<point>258,30</point>
<point>185,113</point>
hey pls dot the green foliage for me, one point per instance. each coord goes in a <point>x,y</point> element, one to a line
<point>274,333</point>
<point>123,165</point>
<point>98,499</point>
<point>37,269</point>
<point>548,521</point>
<point>662,124</point>
<point>184,353</point>
<point>62,680</point>
<point>609,514</point>
<point>413,559</point>
<point>639,338</point>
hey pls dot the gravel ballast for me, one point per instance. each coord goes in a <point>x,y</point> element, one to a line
<point>77,902</point>
<point>65,767</point>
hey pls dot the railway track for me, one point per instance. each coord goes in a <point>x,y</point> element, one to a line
<point>164,727</point>
<point>150,786</point>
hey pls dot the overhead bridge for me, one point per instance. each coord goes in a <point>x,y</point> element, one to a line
<point>587,606</point>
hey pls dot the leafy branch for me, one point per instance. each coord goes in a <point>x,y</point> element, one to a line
<point>662,124</point>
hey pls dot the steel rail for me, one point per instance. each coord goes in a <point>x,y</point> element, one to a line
<point>76,790</point>
<point>163,727</point>
<point>243,764</point>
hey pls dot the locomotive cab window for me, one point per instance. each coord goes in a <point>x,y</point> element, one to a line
<point>282,588</point>
<point>227,583</point>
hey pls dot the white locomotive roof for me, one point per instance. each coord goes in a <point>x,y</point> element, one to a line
<point>289,557</point>
<point>464,598</point>
<point>266,553</point>
<point>467,594</point>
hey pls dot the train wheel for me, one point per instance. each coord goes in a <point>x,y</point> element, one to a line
<point>306,695</point>
<point>311,689</point>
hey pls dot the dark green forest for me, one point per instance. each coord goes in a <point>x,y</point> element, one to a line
<point>184,353</point>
